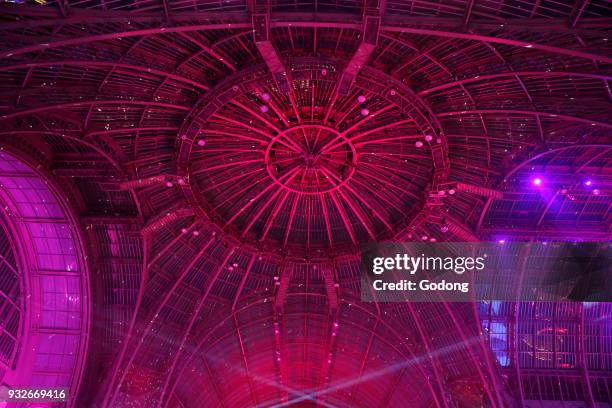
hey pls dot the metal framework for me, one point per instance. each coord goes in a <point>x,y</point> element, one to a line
<point>228,158</point>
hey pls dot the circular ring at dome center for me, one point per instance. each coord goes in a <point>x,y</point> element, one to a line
<point>310,159</point>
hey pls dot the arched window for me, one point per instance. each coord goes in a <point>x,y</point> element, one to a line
<point>44,313</point>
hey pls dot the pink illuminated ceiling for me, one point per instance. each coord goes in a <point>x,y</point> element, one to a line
<point>226,160</point>
<point>45,294</point>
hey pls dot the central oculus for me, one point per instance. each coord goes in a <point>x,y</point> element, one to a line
<point>310,159</point>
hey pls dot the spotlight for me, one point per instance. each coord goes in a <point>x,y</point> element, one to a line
<point>501,241</point>
<point>323,72</point>
<point>265,96</point>
<point>196,233</point>
<point>429,138</point>
<point>596,192</point>
<point>451,191</point>
<point>264,108</point>
<point>201,142</point>
<point>419,144</point>
<point>361,99</point>
<point>588,183</point>
<point>184,230</point>
<point>537,181</point>
<point>365,112</point>
<point>169,184</point>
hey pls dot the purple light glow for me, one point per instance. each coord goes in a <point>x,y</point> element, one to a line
<point>537,181</point>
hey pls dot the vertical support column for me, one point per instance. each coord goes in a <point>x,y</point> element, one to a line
<point>372,11</point>
<point>260,10</point>
<point>282,287</point>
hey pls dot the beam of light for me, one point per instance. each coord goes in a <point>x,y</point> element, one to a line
<point>379,373</point>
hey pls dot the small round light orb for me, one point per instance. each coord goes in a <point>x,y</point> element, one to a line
<point>365,112</point>
<point>169,184</point>
<point>184,230</point>
<point>361,99</point>
<point>264,108</point>
<point>537,181</point>
<point>183,137</point>
<point>419,144</point>
<point>235,265</point>
<point>181,181</point>
<point>196,233</point>
<point>441,192</point>
<point>429,138</point>
<point>501,241</point>
<point>451,191</point>
<point>201,142</point>
<point>324,72</point>
<point>588,183</point>
<point>596,192</point>
<point>265,96</point>
<point>392,92</point>
<point>230,268</point>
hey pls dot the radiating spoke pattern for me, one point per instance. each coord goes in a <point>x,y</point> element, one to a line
<point>280,178</point>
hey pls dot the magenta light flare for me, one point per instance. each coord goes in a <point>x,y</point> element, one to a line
<point>537,181</point>
<point>361,99</point>
<point>201,142</point>
<point>365,112</point>
<point>418,144</point>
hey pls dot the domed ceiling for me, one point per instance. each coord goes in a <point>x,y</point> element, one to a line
<point>228,158</point>
<point>308,168</point>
